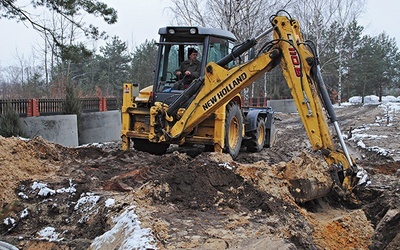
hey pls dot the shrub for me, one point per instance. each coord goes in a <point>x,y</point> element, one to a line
<point>9,122</point>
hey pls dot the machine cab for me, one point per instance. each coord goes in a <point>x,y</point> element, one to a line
<point>210,44</point>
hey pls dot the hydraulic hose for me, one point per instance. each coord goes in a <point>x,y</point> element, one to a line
<point>329,108</point>
<point>242,48</point>
<point>186,95</point>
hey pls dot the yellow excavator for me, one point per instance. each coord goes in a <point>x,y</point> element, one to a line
<point>209,111</point>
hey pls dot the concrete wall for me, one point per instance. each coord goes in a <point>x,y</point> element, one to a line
<point>284,106</point>
<point>61,129</point>
<point>100,127</point>
<point>97,126</point>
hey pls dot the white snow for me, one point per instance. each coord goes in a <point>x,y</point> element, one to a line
<point>110,202</point>
<point>126,233</point>
<point>22,195</point>
<point>9,221</point>
<point>226,165</point>
<point>43,189</point>
<point>88,199</point>
<point>390,107</point>
<point>49,233</point>
<point>71,189</point>
<point>373,99</point>
<point>24,213</point>
<point>86,206</point>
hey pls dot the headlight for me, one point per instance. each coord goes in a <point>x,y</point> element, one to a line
<point>193,31</point>
<point>171,31</point>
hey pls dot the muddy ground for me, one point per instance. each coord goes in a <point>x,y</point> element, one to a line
<point>188,199</point>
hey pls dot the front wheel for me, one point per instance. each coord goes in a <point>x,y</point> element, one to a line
<point>150,147</point>
<point>233,130</point>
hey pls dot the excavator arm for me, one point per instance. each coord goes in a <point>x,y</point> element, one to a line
<point>301,71</point>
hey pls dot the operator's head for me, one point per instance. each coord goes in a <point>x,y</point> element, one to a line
<point>191,51</point>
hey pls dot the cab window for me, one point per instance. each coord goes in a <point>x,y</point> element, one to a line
<point>218,49</point>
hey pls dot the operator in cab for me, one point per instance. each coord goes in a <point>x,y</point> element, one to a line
<point>188,70</point>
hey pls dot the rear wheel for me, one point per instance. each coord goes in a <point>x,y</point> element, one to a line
<point>150,147</point>
<point>233,130</point>
<point>257,137</point>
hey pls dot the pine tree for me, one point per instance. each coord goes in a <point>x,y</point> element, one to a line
<point>72,103</point>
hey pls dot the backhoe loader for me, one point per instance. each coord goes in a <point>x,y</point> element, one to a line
<point>209,111</point>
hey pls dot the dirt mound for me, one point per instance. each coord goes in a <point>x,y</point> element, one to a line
<point>203,184</point>
<point>25,159</point>
<point>220,198</point>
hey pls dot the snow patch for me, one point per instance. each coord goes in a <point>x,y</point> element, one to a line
<point>126,233</point>
<point>71,189</point>
<point>49,233</point>
<point>43,189</point>
<point>110,202</point>
<point>24,213</point>
<point>87,201</point>
<point>86,206</point>
<point>9,221</point>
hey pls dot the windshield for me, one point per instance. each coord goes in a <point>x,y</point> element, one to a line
<point>172,56</point>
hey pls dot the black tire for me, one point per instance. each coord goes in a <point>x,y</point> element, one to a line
<point>209,148</point>
<point>150,147</point>
<point>270,136</point>
<point>233,130</point>
<point>257,137</point>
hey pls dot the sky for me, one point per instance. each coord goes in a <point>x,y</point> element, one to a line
<point>140,20</point>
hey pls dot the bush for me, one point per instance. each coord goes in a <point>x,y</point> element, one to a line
<point>9,123</point>
<point>72,102</point>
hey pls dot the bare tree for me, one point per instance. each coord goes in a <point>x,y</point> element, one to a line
<point>244,18</point>
<point>58,55</point>
<point>317,15</point>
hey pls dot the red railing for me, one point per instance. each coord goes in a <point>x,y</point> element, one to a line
<point>37,107</point>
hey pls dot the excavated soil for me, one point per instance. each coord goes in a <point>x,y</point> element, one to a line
<point>189,199</point>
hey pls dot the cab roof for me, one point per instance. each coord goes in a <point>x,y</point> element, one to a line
<point>182,30</point>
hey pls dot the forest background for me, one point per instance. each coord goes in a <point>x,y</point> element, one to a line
<point>352,63</point>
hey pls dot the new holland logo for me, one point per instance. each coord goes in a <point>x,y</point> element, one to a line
<point>223,92</point>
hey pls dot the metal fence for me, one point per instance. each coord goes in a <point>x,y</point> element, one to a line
<point>51,106</point>
<point>36,107</point>
<point>19,105</point>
